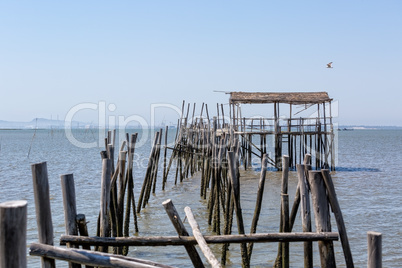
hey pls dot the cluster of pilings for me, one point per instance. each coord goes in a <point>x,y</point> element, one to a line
<point>202,148</point>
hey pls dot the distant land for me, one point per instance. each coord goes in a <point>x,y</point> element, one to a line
<point>43,123</point>
<point>365,127</point>
<point>40,123</point>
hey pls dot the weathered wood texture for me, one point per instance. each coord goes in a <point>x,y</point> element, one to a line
<point>374,250</point>
<point>200,239</point>
<point>105,198</point>
<point>189,240</point>
<point>42,206</point>
<point>181,231</point>
<point>258,204</point>
<point>322,217</point>
<point>333,200</point>
<point>279,97</point>
<point>70,209</point>
<point>90,257</point>
<point>83,231</point>
<point>236,197</point>
<point>305,213</point>
<point>13,232</point>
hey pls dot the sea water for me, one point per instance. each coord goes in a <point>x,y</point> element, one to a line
<point>368,180</point>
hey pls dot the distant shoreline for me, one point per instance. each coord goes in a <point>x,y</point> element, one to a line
<point>339,128</point>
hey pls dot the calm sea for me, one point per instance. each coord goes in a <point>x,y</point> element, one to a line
<point>368,182</point>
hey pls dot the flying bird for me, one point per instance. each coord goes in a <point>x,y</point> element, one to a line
<point>329,65</point>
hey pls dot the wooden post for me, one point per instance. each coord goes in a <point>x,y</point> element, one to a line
<point>200,239</point>
<point>322,217</point>
<point>70,209</point>
<point>305,213</point>
<point>236,197</point>
<point>147,178</point>
<point>181,231</point>
<point>164,159</point>
<point>13,232</point>
<point>374,250</point>
<point>43,210</point>
<point>333,200</point>
<point>285,228</point>
<point>82,228</point>
<point>258,204</point>
<point>105,199</point>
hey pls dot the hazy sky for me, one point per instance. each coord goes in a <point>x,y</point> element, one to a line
<point>55,55</point>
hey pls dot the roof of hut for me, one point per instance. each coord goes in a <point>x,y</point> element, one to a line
<point>282,97</point>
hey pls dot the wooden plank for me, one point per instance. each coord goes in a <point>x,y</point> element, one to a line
<point>13,233</point>
<point>200,239</point>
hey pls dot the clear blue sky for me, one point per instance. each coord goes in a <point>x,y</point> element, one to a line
<point>57,54</point>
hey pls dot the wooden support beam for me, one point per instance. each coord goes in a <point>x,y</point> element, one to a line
<point>190,240</point>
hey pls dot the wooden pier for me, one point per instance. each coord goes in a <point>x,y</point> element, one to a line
<point>294,136</point>
<point>216,149</point>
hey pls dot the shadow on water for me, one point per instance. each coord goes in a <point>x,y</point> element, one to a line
<point>338,169</point>
<point>357,169</point>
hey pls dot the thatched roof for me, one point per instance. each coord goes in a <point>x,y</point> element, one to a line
<point>282,97</point>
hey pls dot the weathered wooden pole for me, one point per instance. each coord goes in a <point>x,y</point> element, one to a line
<point>13,232</point>
<point>374,250</point>
<point>285,228</point>
<point>200,239</point>
<point>284,191</point>
<point>70,209</point>
<point>43,210</point>
<point>97,259</point>
<point>181,231</point>
<point>296,201</point>
<point>147,180</point>
<point>82,227</point>
<point>333,200</point>
<point>147,241</point>
<point>322,217</point>
<point>164,159</point>
<point>105,199</point>
<point>236,197</point>
<point>305,213</point>
<point>258,204</point>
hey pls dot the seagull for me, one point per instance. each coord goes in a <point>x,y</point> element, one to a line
<point>329,65</point>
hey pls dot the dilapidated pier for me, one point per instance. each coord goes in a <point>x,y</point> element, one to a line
<point>293,135</point>
<point>216,148</point>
